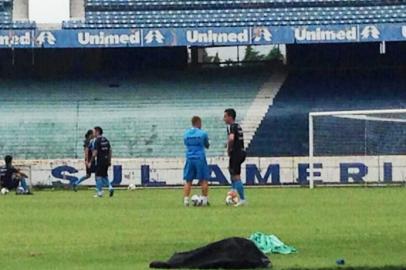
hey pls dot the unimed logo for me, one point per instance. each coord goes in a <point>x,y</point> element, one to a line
<point>370,31</point>
<point>319,34</point>
<point>210,36</point>
<point>102,38</point>
<point>46,38</point>
<point>16,40</point>
<point>154,35</point>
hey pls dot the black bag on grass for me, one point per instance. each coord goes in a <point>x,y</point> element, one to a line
<point>231,253</point>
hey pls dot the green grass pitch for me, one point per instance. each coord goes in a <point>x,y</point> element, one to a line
<point>67,230</point>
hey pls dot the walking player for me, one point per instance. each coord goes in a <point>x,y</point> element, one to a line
<point>101,155</point>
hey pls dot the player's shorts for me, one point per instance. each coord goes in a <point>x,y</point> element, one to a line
<point>11,184</point>
<point>236,159</point>
<point>102,170</point>
<point>196,169</point>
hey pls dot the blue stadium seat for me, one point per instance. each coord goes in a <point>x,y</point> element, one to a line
<point>6,20</point>
<point>189,13</point>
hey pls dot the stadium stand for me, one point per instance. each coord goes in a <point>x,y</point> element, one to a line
<point>284,130</point>
<point>225,13</point>
<point>143,116</point>
<point>6,17</point>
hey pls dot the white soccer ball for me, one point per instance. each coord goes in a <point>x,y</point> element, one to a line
<point>232,198</point>
<point>4,191</point>
<point>197,200</point>
<point>131,187</point>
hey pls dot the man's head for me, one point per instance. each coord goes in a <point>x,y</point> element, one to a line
<point>98,131</point>
<point>8,160</point>
<point>89,134</point>
<point>196,122</point>
<point>229,116</point>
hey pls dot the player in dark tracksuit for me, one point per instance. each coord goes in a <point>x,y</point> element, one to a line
<point>88,151</point>
<point>12,178</point>
<point>101,155</point>
<point>236,152</point>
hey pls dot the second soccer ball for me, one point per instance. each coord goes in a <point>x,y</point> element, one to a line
<point>197,200</point>
<point>232,198</point>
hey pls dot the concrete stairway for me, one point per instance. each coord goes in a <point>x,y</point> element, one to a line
<point>260,105</point>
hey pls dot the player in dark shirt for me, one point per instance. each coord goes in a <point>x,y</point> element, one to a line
<point>101,155</point>
<point>12,178</point>
<point>236,152</point>
<point>87,150</point>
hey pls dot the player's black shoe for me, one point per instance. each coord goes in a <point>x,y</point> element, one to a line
<point>111,193</point>
<point>75,187</point>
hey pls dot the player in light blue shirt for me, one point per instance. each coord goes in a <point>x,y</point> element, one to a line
<point>196,141</point>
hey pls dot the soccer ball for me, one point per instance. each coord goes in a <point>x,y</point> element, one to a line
<point>197,200</point>
<point>131,187</point>
<point>232,198</point>
<point>4,191</point>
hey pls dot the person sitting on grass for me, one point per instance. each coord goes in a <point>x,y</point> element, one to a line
<point>13,179</point>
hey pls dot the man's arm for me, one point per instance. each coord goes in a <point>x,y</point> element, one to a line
<point>93,147</point>
<point>110,155</point>
<point>230,142</point>
<point>231,138</point>
<point>19,173</point>
<point>206,141</point>
<point>94,155</point>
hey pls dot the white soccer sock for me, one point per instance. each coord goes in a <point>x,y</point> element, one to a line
<point>204,200</point>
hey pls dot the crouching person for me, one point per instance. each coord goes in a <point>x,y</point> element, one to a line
<point>12,178</point>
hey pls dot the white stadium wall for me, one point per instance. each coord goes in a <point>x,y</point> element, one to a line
<point>264,171</point>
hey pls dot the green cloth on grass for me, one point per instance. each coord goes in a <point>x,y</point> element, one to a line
<point>271,244</point>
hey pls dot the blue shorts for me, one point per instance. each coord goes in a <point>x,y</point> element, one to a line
<point>196,169</point>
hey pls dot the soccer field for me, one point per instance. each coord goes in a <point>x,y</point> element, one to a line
<point>67,230</point>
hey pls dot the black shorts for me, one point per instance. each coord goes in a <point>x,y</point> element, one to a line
<point>102,170</point>
<point>11,184</point>
<point>236,159</point>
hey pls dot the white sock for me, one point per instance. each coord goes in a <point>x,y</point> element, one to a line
<point>186,200</point>
<point>204,200</point>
